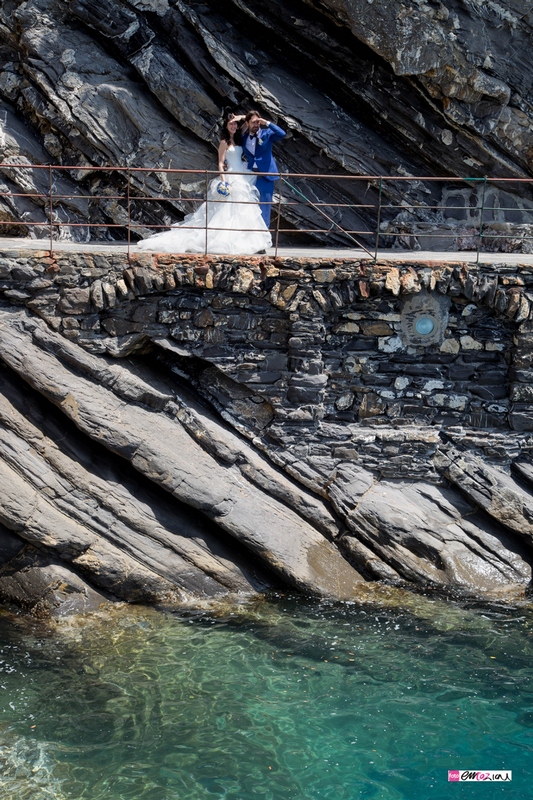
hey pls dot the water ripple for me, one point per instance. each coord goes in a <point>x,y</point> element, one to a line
<point>278,700</point>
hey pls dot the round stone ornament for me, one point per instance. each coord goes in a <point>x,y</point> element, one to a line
<point>424,317</point>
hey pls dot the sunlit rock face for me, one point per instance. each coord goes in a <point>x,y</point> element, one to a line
<point>378,88</point>
<point>287,484</point>
<point>189,429</point>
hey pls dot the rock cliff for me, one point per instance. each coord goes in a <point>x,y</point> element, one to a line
<point>378,88</point>
<point>177,429</point>
<point>318,442</point>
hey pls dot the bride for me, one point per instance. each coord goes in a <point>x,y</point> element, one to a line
<point>235,225</point>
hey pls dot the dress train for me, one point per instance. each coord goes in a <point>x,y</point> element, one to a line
<point>235,225</point>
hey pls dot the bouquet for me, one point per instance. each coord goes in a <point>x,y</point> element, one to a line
<point>223,188</point>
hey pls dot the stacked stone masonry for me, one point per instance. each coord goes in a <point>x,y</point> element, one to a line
<point>311,358</point>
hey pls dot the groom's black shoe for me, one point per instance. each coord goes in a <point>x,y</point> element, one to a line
<point>261,253</point>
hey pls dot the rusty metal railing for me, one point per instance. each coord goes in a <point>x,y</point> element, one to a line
<point>373,210</point>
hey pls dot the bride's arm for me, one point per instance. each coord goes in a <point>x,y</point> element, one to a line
<point>221,158</point>
<point>241,119</point>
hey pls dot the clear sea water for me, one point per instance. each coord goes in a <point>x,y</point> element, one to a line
<point>283,699</point>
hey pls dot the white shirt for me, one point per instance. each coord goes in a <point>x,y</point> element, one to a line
<point>252,140</point>
<point>251,144</point>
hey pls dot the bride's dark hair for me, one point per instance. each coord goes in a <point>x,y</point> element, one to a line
<point>237,137</point>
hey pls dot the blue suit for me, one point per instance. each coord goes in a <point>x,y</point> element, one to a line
<point>263,161</point>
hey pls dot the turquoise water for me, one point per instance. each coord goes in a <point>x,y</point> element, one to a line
<point>279,700</point>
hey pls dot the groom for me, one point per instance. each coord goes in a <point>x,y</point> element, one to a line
<point>257,146</point>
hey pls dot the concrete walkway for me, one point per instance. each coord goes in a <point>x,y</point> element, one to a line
<point>321,253</point>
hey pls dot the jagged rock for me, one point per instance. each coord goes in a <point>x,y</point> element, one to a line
<point>368,562</point>
<point>430,534</point>
<point>524,470</point>
<point>491,489</point>
<point>120,412</point>
<point>347,485</point>
<point>81,486</point>
<point>34,582</point>
<point>379,89</point>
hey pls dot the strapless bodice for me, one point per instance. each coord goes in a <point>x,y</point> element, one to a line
<point>234,160</point>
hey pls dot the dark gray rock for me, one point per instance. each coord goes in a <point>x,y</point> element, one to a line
<point>116,413</point>
<point>10,544</point>
<point>491,489</point>
<point>146,85</point>
<point>429,534</point>
<point>36,583</point>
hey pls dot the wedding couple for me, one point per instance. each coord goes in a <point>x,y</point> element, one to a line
<point>238,206</point>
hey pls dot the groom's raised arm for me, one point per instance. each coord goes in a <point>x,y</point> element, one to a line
<point>275,131</point>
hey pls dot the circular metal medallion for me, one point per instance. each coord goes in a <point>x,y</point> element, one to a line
<point>424,325</point>
<point>424,319</point>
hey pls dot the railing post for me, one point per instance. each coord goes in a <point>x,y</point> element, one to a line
<point>128,204</point>
<point>278,219</point>
<point>378,219</point>
<point>480,232</point>
<point>50,207</point>
<point>206,207</point>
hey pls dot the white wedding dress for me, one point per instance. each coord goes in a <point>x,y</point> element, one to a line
<point>234,223</point>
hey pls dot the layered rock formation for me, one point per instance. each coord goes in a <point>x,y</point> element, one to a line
<point>381,89</point>
<point>177,429</point>
<point>202,429</point>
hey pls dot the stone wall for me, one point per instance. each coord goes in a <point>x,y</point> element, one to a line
<point>319,360</point>
<point>371,413</point>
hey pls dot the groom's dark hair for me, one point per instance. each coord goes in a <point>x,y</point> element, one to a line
<point>251,114</point>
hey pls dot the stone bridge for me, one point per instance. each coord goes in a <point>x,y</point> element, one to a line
<point>344,421</point>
